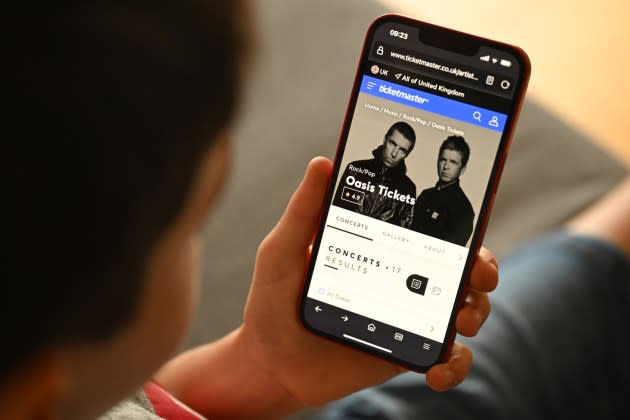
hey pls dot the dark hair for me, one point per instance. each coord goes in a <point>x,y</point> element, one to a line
<point>112,105</point>
<point>458,144</point>
<point>406,130</point>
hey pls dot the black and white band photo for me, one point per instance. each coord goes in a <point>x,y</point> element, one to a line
<point>415,177</point>
<point>374,187</point>
<point>443,210</point>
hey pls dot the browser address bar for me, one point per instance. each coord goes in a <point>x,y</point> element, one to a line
<point>432,65</point>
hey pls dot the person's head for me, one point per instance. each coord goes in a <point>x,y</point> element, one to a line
<point>398,143</point>
<point>113,149</point>
<point>452,158</point>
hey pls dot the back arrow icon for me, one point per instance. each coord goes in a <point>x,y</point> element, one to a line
<point>345,318</point>
<point>318,309</point>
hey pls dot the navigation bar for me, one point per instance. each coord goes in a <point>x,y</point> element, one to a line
<point>448,108</point>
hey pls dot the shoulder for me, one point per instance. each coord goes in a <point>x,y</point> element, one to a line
<point>426,192</point>
<point>463,200</point>
<point>362,163</point>
<point>408,183</point>
<point>361,169</point>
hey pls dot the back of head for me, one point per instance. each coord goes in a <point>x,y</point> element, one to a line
<point>112,104</point>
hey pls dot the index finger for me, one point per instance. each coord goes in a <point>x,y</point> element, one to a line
<point>485,271</point>
<point>294,232</point>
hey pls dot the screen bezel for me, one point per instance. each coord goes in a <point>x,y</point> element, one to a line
<point>488,199</point>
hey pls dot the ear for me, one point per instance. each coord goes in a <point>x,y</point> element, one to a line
<point>34,390</point>
<point>461,172</point>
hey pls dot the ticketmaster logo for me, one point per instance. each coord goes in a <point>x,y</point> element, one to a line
<point>400,94</point>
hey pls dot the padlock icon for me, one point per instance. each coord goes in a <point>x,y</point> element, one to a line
<point>380,50</point>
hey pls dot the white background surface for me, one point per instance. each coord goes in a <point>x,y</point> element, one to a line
<point>382,293</point>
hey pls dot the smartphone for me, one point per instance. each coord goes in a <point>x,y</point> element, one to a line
<point>422,147</point>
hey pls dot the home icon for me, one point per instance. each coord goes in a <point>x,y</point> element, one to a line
<point>371,327</point>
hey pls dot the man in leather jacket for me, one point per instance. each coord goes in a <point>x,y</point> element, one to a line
<point>379,187</point>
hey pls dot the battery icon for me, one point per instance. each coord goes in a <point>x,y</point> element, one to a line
<point>506,63</point>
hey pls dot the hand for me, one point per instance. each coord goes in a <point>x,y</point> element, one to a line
<point>311,369</point>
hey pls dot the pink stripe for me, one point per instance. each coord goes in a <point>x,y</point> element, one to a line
<point>167,406</point>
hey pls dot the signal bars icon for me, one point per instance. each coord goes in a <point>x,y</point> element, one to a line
<point>485,58</point>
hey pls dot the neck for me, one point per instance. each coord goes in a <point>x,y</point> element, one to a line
<point>442,184</point>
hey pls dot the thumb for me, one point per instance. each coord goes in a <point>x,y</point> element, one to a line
<point>294,232</point>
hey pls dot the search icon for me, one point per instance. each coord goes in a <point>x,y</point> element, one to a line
<point>477,115</point>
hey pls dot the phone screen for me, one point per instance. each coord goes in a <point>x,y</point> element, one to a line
<point>422,148</point>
